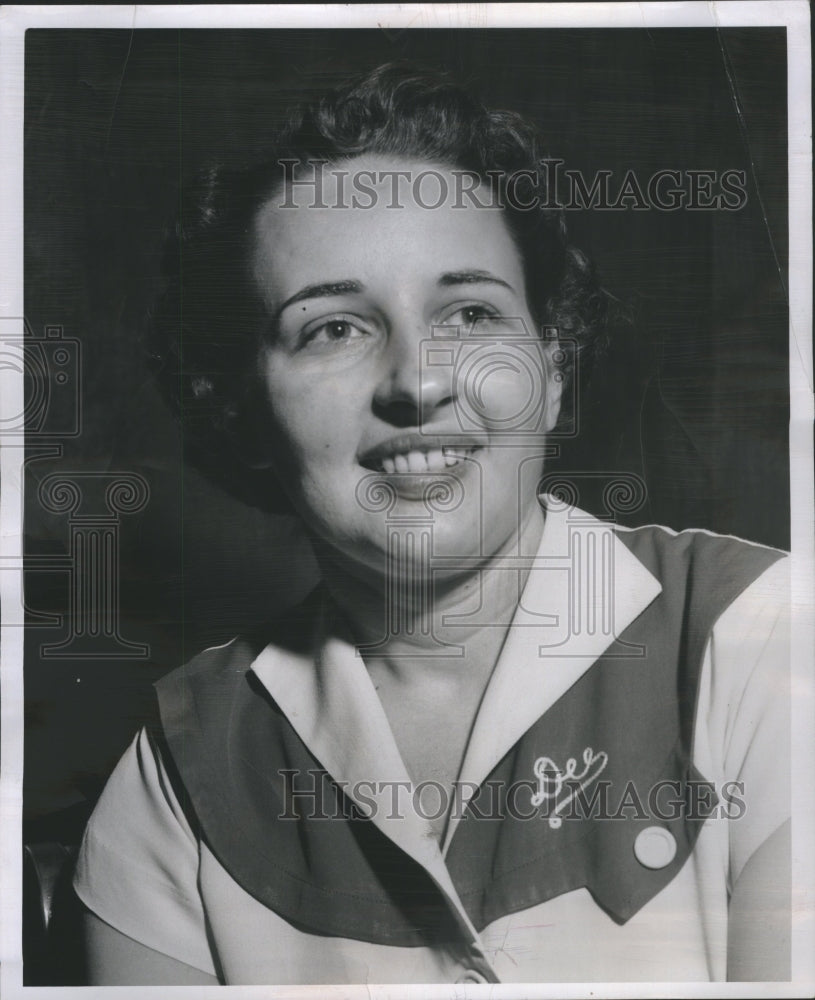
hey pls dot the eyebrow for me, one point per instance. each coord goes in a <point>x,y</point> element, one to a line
<point>474,277</point>
<point>322,291</point>
<point>350,287</point>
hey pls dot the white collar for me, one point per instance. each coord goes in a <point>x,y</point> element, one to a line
<point>585,587</point>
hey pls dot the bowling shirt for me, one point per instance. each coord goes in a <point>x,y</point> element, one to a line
<point>630,754</point>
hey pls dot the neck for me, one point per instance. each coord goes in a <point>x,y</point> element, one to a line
<point>411,620</point>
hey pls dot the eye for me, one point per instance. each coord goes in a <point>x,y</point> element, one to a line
<point>468,315</point>
<point>338,330</point>
<point>335,329</point>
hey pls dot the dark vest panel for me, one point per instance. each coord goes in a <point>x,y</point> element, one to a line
<point>626,726</point>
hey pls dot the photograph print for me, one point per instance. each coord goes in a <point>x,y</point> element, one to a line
<point>405,477</point>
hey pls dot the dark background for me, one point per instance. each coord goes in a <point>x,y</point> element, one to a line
<point>693,396</point>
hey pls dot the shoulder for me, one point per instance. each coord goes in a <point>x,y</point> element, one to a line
<point>706,569</point>
<point>137,867</point>
<point>215,713</point>
<point>217,662</point>
<point>729,602</point>
<point>662,545</point>
<point>212,678</point>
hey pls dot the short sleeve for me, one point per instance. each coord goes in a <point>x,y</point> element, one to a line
<point>750,653</point>
<point>138,863</point>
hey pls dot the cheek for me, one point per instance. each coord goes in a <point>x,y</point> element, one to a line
<point>504,385</point>
<point>504,395</point>
<point>310,414</point>
<point>309,441</point>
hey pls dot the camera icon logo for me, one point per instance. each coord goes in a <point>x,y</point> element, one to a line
<point>49,367</point>
<point>499,373</point>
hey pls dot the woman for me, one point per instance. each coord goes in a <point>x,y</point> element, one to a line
<point>503,740</point>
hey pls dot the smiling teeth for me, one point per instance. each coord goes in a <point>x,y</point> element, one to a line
<point>419,461</point>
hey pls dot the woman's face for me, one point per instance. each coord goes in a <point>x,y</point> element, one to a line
<point>402,352</point>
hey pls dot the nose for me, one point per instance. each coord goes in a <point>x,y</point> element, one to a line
<point>413,385</point>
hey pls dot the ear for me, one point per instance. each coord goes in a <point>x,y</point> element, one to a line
<point>553,359</point>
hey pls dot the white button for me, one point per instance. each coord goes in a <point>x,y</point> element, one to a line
<point>655,847</point>
<point>471,976</point>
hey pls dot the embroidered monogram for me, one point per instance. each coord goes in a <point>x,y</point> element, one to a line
<point>552,779</point>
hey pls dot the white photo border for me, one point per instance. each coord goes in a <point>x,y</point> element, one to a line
<point>14,20</point>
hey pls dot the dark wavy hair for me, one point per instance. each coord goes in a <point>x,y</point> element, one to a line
<point>206,326</point>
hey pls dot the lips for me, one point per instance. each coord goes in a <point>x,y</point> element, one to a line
<point>419,454</point>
